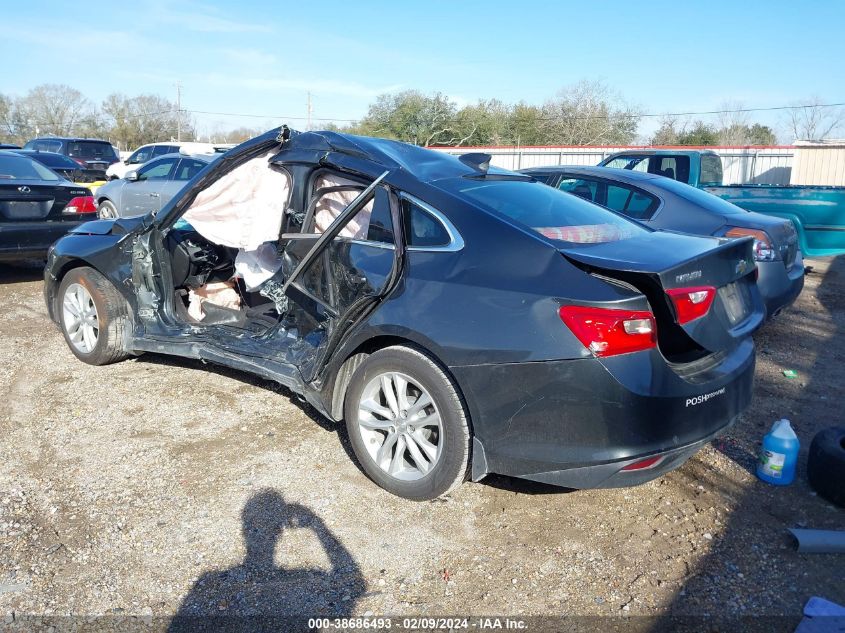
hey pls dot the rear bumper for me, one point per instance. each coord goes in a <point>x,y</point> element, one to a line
<point>23,240</point>
<point>778,285</point>
<point>577,423</point>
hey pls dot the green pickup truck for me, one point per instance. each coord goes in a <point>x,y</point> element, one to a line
<point>817,212</point>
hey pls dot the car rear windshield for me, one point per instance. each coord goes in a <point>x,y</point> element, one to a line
<point>556,215</point>
<point>91,150</point>
<point>55,160</point>
<point>711,171</point>
<point>702,198</point>
<point>21,168</point>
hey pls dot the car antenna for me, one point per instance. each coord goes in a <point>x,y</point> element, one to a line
<point>479,161</point>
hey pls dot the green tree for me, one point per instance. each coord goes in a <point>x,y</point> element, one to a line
<point>699,134</point>
<point>761,135</point>
<point>410,116</point>
<point>526,122</point>
<point>485,123</point>
<point>666,134</point>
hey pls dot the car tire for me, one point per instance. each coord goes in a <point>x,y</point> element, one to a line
<point>826,464</point>
<point>106,210</point>
<point>93,317</point>
<point>431,434</point>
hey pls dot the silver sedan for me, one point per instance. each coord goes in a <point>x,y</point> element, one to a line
<point>150,187</point>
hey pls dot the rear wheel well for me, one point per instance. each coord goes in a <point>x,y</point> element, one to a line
<point>360,353</point>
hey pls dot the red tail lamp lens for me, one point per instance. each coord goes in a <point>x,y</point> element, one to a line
<point>607,332</point>
<point>691,303</point>
<point>81,204</point>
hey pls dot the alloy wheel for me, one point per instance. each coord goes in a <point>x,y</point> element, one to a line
<point>80,318</point>
<point>400,426</point>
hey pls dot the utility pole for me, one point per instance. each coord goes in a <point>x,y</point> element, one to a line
<point>178,110</point>
<point>309,110</point>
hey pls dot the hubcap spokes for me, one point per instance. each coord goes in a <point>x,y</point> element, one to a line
<point>80,318</point>
<point>400,426</point>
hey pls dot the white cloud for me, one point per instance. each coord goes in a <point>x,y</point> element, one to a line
<point>198,17</point>
<point>314,85</point>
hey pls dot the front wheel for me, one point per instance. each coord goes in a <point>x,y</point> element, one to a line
<point>93,317</point>
<point>106,210</point>
<point>407,424</point>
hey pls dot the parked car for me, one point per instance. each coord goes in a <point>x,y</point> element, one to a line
<point>150,187</point>
<point>9,146</point>
<point>146,153</point>
<point>667,204</point>
<point>88,152</point>
<point>66,167</point>
<point>461,319</point>
<point>37,206</point>
<point>818,212</point>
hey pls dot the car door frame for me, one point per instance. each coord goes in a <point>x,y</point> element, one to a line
<point>342,323</point>
<point>163,332</point>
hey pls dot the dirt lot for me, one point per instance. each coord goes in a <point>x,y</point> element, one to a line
<point>158,486</point>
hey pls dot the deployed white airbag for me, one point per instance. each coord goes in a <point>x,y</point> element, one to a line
<point>244,208</point>
<point>330,205</point>
<point>256,267</point>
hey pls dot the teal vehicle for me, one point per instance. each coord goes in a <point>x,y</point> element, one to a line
<point>818,212</point>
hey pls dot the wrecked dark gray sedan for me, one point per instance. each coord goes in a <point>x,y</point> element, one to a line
<point>462,320</point>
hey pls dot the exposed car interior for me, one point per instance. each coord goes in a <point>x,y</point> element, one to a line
<point>227,252</point>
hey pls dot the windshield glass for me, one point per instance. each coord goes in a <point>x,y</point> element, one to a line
<point>91,150</point>
<point>711,171</point>
<point>557,215</point>
<point>141,155</point>
<point>701,198</point>
<point>21,168</point>
<point>636,163</point>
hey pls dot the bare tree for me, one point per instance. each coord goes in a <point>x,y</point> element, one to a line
<point>589,113</point>
<point>813,121</point>
<point>7,131</point>
<point>732,124</point>
<point>134,121</point>
<point>668,132</point>
<point>53,109</point>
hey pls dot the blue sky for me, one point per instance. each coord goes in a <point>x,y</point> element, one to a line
<point>263,57</point>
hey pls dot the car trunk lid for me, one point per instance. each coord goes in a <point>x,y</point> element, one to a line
<point>25,201</point>
<point>667,267</point>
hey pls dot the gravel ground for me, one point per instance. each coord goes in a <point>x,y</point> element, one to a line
<point>159,486</point>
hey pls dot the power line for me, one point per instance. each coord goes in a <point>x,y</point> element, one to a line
<point>631,115</point>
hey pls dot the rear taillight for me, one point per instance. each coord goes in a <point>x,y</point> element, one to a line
<point>691,303</point>
<point>79,161</point>
<point>607,332</point>
<point>80,205</point>
<point>764,251</point>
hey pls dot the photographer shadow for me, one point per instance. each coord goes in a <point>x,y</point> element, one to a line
<point>259,595</point>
